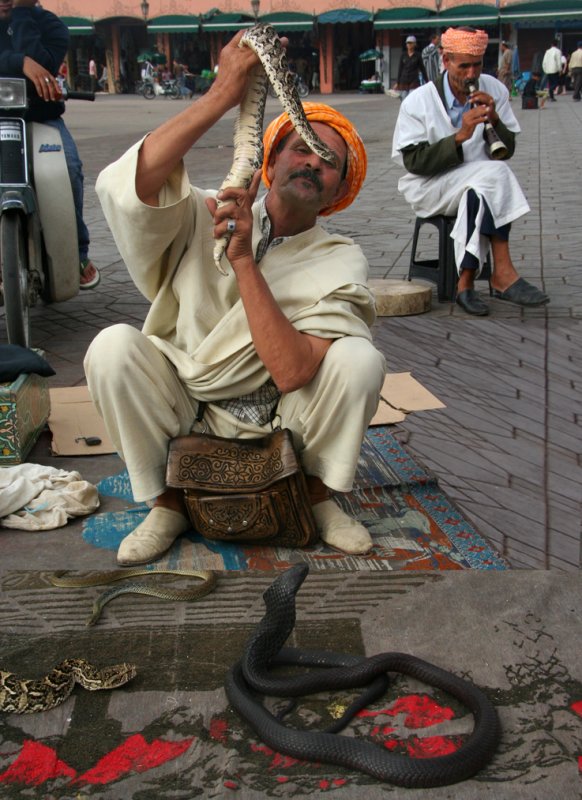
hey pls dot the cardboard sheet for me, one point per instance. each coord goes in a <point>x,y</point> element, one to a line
<point>72,417</point>
<point>400,395</point>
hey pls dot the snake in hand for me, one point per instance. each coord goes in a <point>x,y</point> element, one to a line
<point>248,129</point>
<point>334,671</point>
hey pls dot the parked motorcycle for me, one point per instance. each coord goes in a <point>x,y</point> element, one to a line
<point>167,88</point>
<point>302,87</point>
<point>39,255</point>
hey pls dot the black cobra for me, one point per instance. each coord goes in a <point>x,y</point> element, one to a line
<point>265,649</point>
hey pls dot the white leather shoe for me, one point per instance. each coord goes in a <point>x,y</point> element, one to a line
<point>340,531</point>
<point>150,540</point>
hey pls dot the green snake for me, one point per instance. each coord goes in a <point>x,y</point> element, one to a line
<point>248,130</point>
<point>99,578</point>
<point>29,695</point>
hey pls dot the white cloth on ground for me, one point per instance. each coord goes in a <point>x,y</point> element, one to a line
<point>424,118</point>
<point>34,497</point>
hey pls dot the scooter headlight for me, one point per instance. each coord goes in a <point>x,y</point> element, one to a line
<point>12,93</point>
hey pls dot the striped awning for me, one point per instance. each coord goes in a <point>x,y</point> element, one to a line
<point>79,26</point>
<point>289,21</point>
<point>174,23</point>
<point>227,22</point>
<point>344,15</point>
<point>410,17</point>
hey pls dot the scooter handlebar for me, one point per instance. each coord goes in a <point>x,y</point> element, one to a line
<point>70,95</point>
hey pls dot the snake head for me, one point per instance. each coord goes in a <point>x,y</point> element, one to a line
<point>264,41</point>
<point>277,624</point>
<point>118,674</point>
<point>105,677</point>
<point>287,585</point>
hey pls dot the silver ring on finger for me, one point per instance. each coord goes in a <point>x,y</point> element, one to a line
<point>231,225</point>
<point>47,80</point>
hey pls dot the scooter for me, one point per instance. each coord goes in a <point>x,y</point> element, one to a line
<point>302,87</point>
<point>39,254</point>
<point>168,88</point>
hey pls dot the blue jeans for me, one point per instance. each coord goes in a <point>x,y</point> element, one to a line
<point>75,167</point>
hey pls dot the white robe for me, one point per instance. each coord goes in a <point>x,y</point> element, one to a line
<point>423,118</point>
<point>198,323</point>
<point>197,319</point>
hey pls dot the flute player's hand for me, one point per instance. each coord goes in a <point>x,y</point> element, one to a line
<point>480,98</point>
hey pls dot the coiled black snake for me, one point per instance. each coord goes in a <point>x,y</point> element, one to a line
<point>265,648</point>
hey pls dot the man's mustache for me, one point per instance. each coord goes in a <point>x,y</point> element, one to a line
<point>309,175</point>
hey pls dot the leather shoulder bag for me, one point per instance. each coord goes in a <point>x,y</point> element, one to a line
<point>243,490</point>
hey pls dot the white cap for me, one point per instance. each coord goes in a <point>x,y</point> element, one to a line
<point>411,39</point>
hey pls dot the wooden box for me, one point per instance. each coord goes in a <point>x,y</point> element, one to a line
<point>24,410</point>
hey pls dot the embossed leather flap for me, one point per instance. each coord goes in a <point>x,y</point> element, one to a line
<point>220,517</point>
<point>215,464</point>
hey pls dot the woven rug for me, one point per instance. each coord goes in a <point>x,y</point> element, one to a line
<point>170,734</point>
<point>412,522</point>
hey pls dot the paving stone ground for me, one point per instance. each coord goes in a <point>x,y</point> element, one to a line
<point>507,446</point>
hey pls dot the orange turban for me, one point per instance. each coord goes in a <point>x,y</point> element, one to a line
<point>472,43</point>
<point>357,158</point>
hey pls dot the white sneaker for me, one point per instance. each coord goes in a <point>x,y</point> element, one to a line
<point>153,537</point>
<point>340,531</point>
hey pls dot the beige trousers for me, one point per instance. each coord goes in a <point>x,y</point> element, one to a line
<point>144,405</point>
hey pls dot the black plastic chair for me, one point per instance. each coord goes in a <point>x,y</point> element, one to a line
<point>441,270</point>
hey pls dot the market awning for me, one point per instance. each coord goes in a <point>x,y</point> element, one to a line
<point>227,22</point>
<point>174,23</point>
<point>371,55</point>
<point>79,26</point>
<point>548,11</point>
<point>151,55</point>
<point>396,18</point>
<point>478,15</point>
<point>344,15</point>
<point>289,21</point>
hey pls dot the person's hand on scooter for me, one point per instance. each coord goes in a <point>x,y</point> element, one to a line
<point>45,84</point>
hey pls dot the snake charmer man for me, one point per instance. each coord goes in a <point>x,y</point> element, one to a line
<point>285,335</point>
<point>439,139</point>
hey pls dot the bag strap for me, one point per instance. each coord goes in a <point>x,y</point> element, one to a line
<point>201,409</point>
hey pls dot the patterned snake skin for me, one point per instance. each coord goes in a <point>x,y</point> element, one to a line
<point>248,130</point>
<point>195,592</point>
<point>28,695</point>
<point>265,648</point>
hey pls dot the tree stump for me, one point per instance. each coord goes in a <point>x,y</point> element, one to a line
<point>400,298</point>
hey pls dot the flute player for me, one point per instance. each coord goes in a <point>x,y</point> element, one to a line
<point>439,139</point>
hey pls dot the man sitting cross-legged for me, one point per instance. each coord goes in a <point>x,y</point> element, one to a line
<point>285,335</point>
